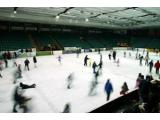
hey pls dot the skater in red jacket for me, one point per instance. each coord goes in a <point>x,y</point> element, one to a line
<point>157,66</point>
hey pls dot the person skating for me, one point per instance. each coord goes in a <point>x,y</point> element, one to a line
<point>6,63</point>
<point>108,89</point>
<point>124,54</point>
<point>26,62</point>
<point>67,108</point>
<point>70,81</point>
<point>118,61</point>
<point>1,67</point>
<point>85,60</point>
<point>35,61</point>
<point>59,59</point>
<point>130,54</point>
<point>92,88</point>
<point>100,66</point>
<point>114,55</point>
<point>150,64</point>
<point>109,56</point>
<point>94,65</point>
<point>124,89</point>
<point>140,60</point>
<point>146,60</point>
<point>19,98</point>
<point>157,66</point>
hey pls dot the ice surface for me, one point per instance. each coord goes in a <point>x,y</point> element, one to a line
<point>51,93</point>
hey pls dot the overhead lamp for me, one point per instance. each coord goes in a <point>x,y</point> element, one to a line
<point>86,19</point>
<point>57,17</point>
<point>15,10</point>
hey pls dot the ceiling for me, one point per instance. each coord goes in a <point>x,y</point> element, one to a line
<point>100,17</point>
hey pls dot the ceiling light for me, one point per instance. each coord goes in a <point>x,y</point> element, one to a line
<point>15,12</point>
<point>86,20</point>
<point>57,17</point>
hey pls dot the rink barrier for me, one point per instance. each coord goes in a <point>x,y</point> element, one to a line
<point>118,103</point>
<point>43,53</point>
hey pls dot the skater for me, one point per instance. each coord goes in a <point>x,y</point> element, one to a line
<point>78,51</point>
<point>1,67</point>
<point>90,62</point>
<point>108,89</point>
<point>19,71</point>
<point>94,65</point>
<point>109,56</point>
<point>92,88</point>
<point>14,63</point>
<point>60,59</point>
<point>99,51</point>
<point>86,60</point>
<point>6,63</point>
<point>35,61</point>
<point>19,98</point>
<point>137,56</point>
<point>140,60</point>
<point>118,61</point>
<point>146,60</point>
<point>26,62</point>
<point>67,108</point>
<point>150,64</point>
<point>130,54</point>
<point>124,89</point>
<point>15,55</point>
<point>124,54</point>
<point>100,66</point>
<point>114,55</point>
<point>157,66</point>
<point>70,81</point>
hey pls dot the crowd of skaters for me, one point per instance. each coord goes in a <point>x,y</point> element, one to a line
<point>97,69</point>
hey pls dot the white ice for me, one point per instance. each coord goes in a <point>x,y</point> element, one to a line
<point>51,94</point>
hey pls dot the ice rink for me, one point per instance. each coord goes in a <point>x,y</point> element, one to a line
<point>51,93</point>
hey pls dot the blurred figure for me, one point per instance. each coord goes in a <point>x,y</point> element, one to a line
<point>150,66</point>
<point>124,54</point>
<point>67,108</point>
<point>90,62</point>
<point>118,61</point>
<point>100,66</point>
<point>35,61</point>
<point>94,65</point>
<point>124,89</point>
<point>70,80</point>
<point>93,86</point>
<point>144,90</point>
<point>138,80</point>
<point>109,56</point>
<point>59,59</point>
<point>19,99</point>
<point>86,60</point>
<point>130,54</point>
<point>140,60</point>
<point>1,67</point>
<point>146,60</point>
<point>114,55</point>
<point>19,71</point>
<point>6,63</point>
<point>157,66</point>
<point>26,62</point>
<point>108,89</point>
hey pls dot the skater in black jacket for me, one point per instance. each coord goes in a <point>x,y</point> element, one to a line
<point>26,62</point>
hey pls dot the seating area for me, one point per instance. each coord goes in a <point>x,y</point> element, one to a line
<point>14,41</point>
<point>42,38</point>
<point>17,40</point>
